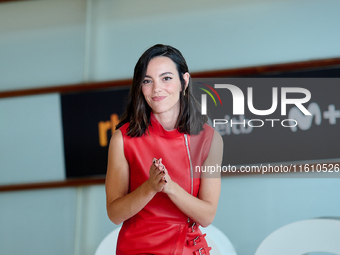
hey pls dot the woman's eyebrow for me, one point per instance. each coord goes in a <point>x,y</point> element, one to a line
<point>162,74</point>
<point>166,73</point>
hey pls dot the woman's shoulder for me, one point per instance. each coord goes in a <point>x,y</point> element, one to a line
<point>212,134</point>
<point>119,134</point>
<point>124,128</point>
<point>208,130</point>
<point>204,137</point>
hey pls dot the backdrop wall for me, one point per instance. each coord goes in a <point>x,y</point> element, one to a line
<point>47,43</point>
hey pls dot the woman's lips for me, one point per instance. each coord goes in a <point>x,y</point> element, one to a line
<point>158,98</point>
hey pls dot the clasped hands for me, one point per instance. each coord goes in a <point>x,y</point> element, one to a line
<point>159,178</point>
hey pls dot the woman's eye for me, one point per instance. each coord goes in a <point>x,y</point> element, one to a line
<point>167,78</point>
<point>146,82</point>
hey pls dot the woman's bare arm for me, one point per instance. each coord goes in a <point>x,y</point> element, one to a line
<point>120,204</point>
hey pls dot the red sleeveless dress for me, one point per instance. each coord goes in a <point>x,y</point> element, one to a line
<point>160,227</point>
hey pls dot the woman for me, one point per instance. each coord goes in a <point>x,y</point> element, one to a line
<point>152,158</point>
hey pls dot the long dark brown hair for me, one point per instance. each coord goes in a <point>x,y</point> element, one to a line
<point>137,112</point>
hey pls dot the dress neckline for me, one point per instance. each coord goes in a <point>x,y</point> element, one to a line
<point>161,131</point>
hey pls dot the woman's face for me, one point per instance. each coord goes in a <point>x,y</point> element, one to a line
<point>161,86</point>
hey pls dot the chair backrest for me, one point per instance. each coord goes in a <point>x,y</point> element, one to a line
<point>303,237</point>
<point>108,245</point>
<point>216,239</point>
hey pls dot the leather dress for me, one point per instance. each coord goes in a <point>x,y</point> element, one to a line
<point>160,227</point>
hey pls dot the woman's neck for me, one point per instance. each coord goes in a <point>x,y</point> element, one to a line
<point>167,119</point>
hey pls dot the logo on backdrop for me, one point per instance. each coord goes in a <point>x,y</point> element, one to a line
<point>272,119</point>
<point>89,120</point>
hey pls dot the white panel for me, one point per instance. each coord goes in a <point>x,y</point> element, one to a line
<point>37,222</point>
<point>42,43</point>
<point>213,37</point>
<point>31,147</point>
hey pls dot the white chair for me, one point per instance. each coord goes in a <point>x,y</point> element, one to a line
<point>108,245</point>
<point>303,237</point>
<point>218,241</point>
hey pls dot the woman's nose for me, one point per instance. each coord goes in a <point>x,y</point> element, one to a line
<point>157,87</point>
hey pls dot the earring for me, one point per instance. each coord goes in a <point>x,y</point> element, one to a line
<point>184,93</point>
